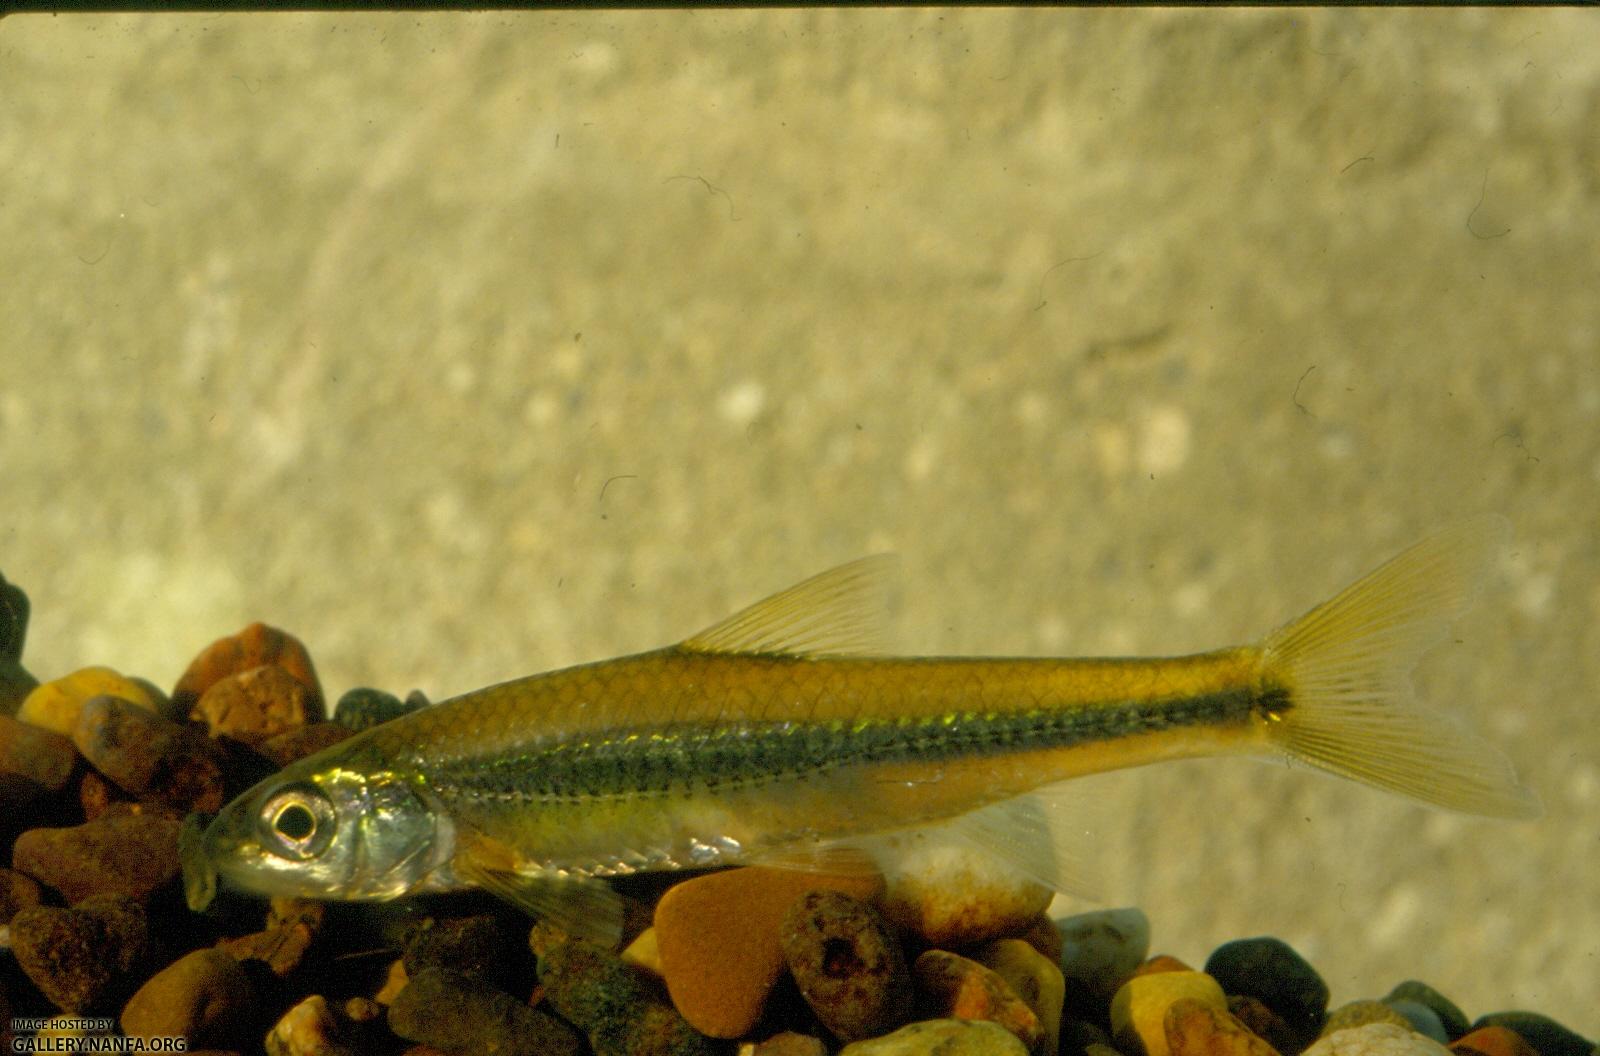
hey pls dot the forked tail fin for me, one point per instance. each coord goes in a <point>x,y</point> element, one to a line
<point>1346,664</point>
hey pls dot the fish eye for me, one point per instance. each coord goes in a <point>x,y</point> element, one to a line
<point>297,822</point>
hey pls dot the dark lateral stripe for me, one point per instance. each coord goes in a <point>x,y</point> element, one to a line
<point>696,756</point>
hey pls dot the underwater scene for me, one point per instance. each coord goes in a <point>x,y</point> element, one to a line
<point>798,532</point>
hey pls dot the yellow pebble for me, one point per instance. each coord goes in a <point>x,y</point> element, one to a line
<point>1139,1011</point>
<point>644,953</point>
<point>55,705</point>
<point>1035,978</point>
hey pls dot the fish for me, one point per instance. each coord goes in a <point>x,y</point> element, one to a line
<point>784,736</point>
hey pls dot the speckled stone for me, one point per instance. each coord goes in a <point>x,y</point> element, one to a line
<point>33,761</point>
<point>148,756</point>
<point>1423,1019</point>
<point>1139,1009</point>
<point>80,956</point>
<point>256,646</point>
<point>129,855</point>
<point>54,705</point>
<point>1360,1013</point>
<point>719,940</point>
<point>848,968</point>
<point>458,1014</point>
<point>1454,1021</point>
<point>1194,1028</point>
<point>955,987</point>
<point>1376,1039</point>
<point>941,1037</point>
<point>1540,1031</point>
<point>1492,1041</point>
<point>595,991</point>
<point>18,891</point>
<point>1035,978</point>
<point>1099,952</point>
<point>256,705</point>
<point>1269,969</point>
<point>951,896</point>
<point>203,997</point>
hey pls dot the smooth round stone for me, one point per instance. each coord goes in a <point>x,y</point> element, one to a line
<point>1035,978</point>
<point>1194,1028</point>
<point>1376,1039</point>
<point>1454,1021</point>
<point>1139,1009</point>
<point>1423,1020</point>
<point>849,969</point>
<point>454,1012</point>
<point>952,896</point>
<point>1263,1022</point>
<point>1542,1032</point>
<point>308,1029</point>
<point>1267,968</point>
<point>1492,1041</point>
<point>203,997</point>
<point>718,936</point>
<point>54,705</point>
<point>1360,1013</point>
<point>293,745</point>
<point>944,1037</point>
<point>1099,952</point>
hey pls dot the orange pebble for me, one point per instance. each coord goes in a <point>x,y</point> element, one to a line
<point>718,940</point>
<point>255,646</point>
<point>1492,1041</point>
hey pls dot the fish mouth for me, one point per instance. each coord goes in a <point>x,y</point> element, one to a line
<point>199,871</point>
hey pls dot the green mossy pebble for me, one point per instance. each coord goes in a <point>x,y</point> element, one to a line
<point>1360,1013</point>
<point>1451,1018</point>
<point>1269,969</point>
<point>363,708</point>
<point>597,992</point>
<point>1542,1032</point>
<point>456,1013</point>
<point>15,682</point>
<point>1423,1020</point>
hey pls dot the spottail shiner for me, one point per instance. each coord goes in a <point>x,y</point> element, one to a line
<point>781,737</point>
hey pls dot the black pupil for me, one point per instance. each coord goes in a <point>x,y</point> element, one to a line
<point>295,822</point>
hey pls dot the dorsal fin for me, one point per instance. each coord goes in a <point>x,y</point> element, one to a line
<point>837,612</point>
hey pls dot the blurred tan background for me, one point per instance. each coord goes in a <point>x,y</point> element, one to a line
<point>464,347</point>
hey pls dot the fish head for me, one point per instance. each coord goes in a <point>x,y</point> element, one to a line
<point>326,827</point>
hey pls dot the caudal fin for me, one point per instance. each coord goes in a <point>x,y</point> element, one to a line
<point>1346,665</point>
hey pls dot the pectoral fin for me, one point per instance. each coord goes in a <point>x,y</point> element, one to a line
<point>582,907</point>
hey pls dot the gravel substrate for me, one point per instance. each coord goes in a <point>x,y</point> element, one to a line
<point>98,771</point>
